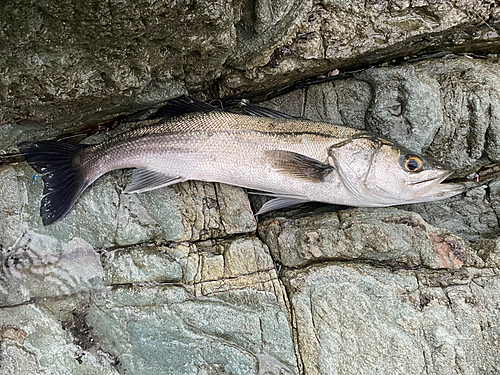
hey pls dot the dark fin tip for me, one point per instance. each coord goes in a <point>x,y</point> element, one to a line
<point>63,182</point>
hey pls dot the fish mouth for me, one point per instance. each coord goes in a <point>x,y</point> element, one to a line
<point>433,181</point>
<point>434,188</point>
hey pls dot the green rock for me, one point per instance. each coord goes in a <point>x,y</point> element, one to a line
<point>231,318</point>
<point>384,235</point>
<point>165,329</point>
<point>354,318</point>
<point>33,341</point>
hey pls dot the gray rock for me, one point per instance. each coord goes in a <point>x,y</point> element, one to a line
<point>208,265</point>
<point>470,216</point>
<point>430,107</point>
<point>318,38</point>
<point>354,318</point>
<point>146,265</point>
<point>386,235</point>
<point>72,64</point>
<point>406,105</point>
<point>42,271</point>
<point>489,251</point>
<point>210,308</point>
<point>38,263</point>
<point>446,108</point>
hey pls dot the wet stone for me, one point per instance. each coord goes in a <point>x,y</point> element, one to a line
<point>68,68</point>
<point>144,265</point>
<point>209,266</point>
<point>27,274</point>
<point>489,251</point>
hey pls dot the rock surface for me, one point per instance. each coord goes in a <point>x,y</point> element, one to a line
<point>389,236</point>
<point>185,280</point>
<point>355,318</point>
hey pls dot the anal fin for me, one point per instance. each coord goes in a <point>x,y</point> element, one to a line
<point>144,179</point>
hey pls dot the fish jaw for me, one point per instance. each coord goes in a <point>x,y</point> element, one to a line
<point>434,190</point>
<point>442,191</point>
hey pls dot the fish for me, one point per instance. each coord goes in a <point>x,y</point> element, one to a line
<point>293,160</point>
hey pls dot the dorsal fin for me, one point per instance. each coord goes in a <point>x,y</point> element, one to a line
<point>181,106</point>
<point>185,104</point>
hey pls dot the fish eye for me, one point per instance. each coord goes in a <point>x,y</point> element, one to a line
<point>413,163</point>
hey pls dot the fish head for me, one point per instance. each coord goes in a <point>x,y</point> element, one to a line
<point>379,173</point>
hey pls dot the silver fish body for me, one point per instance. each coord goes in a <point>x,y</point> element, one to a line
<point>294,160</point>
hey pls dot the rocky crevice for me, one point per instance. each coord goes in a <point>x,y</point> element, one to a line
<point>184,280</point>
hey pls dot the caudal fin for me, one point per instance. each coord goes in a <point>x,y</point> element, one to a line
<point>63,180</point>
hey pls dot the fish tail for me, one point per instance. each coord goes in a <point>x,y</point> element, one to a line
<point>63,178</point>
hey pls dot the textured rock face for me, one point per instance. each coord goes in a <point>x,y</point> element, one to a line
<point>320,36</point>
<point>67,64</point>
<point>356,318</point>
<point>216,307</point>
<point>56,52</point>
<point>185,280</point>
<point>385,235</point>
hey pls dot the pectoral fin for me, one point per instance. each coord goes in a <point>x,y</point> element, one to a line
<point>146,179</point>
<point>298,165</point>
<point>278,203</point>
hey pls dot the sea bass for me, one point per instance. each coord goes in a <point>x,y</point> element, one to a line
<point>294,160</point>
